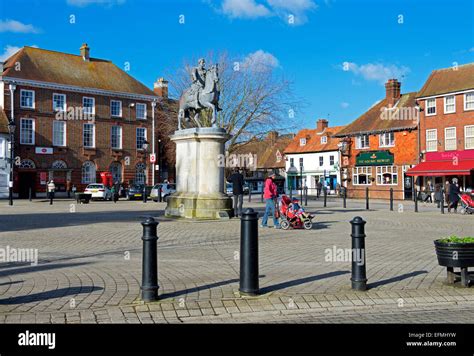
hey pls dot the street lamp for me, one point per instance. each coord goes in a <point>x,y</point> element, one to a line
<point>145,150</point>
<point>11,130</point>
<point>160,167</point>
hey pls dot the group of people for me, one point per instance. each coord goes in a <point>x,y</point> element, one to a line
<point>451,194</point>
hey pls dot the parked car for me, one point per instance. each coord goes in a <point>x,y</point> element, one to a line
<point>99,191</point>
<point>166,189</point>
<point>134,191</point>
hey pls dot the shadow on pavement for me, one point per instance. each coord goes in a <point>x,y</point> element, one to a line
<point>38,268</point>
<point>395,279</point>
<point>297,282</point>
<point>199,288</point>
<point>56,293</point>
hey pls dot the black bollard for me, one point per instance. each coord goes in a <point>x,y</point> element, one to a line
<point>442,201</point>
<point>29,193</point>
<point>149,261</point>
<point>144,193</point>
<point>305,196</point>
<point>416,202</point>
<point>249,252</point>
<point>250,196</point>
<point>367,198</point>
<point>359,278</point>
<point>391,199</point>
<point>325,193</point>
<point>344,196</point>
<point>160,194</point>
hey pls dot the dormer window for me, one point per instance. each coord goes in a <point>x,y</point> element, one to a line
<point>302,141</point>
<point>324,140</point>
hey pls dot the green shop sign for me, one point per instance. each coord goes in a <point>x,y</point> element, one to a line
<point>374,158</point>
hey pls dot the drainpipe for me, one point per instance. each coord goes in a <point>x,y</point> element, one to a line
<point>153,106</point>
<point>12,141</point>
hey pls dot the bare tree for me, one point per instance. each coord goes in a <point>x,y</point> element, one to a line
<point>253,97</point>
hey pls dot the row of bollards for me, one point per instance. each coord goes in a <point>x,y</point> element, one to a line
<point>248,281</point>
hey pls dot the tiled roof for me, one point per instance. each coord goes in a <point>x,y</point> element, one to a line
<point>3,122</point>
<point>266,150</point>
<point>372,122</point>
<point>313,141</point>
<point>448,80</point>
<point>68,69</point>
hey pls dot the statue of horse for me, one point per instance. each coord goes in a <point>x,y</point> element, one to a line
<point>208,97</point>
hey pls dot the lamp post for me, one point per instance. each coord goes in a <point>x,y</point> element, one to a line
<point>11,130</point>
<point>160,162</point>
<point>145,150</point>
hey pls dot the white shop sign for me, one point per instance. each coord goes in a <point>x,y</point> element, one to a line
<point>44,150</point>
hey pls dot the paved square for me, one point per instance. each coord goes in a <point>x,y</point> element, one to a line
<point>89,267</point>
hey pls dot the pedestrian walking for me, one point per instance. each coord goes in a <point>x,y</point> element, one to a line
<point>51,189</point>
<point>453,196</point>
<point>270,195</point>
<point>237,180</point>
<point>438,195</point>
<point>319,186</point>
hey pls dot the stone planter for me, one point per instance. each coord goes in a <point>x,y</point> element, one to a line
<point>455,255</point>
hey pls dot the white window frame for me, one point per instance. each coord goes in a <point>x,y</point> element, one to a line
<point>435,140</point>
<point>84,108</point>
<point>446,104</point>
<point>22,142</point>
<point>359,141</point>
<point>55,122</point>
<point>324,140</point>
<point>466,137</point>
<point>64,108</point>
<point>446,139</point>
<point>93,177</point>
<point>302,141</point>
<point>321,161</point>
<point>93,135</point>
<point>362,170</point>
<point>333,160</point>
<point>144,111</point>
<point>120,104</point>
<point>381,170</point>
<point>3,149</point>
<point>136,137</point>
<point>119,147</point>
<point>33,99</point>
<point>382,139</point>
<point>465,101</point>
<point>428,107</point>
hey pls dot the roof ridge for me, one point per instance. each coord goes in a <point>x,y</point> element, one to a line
<point>66,53</point>
<point>451,68</point>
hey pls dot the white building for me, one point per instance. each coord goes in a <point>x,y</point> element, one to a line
<point>4,154</point>
<point>315,156</point>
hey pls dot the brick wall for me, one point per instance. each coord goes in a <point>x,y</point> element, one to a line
<point>74,154</point>
<point>405,153</point>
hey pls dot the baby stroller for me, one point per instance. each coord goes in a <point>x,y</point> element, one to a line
<point>289,219</point>
<point>467,203</point>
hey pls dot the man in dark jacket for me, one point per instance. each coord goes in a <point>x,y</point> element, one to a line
<point>237,180</point>
<point>453,196</point>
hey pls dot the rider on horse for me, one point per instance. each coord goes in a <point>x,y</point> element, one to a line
<point>198,76</point>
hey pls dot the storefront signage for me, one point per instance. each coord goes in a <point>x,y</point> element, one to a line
<point>44,150</point>
<point>374,158</point>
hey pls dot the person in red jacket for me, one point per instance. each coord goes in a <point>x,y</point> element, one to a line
<point>270,195</point>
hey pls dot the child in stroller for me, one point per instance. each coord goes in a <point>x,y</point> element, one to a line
<point>293,215</point>
<point>467,203</point>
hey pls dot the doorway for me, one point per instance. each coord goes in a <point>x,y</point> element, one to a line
<point>26,180</point>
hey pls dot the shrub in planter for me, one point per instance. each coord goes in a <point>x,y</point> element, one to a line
<point>457,252</point>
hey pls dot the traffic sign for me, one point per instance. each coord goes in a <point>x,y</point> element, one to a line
<point>152,158</point>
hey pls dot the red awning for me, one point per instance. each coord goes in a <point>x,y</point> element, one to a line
<point>442,168</point>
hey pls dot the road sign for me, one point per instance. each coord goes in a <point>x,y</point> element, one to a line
<point>152,158</point>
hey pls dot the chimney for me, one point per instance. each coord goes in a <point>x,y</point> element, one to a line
<point>392,92</point>
<point>272,136</point>
<point>321,124</point>
<point>160,87</point>
<point>85,52</point>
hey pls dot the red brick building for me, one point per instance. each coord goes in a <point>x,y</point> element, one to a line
<point>380,146</point>
<point>76,117</point>
<point>447,127</point>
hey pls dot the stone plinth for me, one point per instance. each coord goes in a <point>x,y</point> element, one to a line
<point>199,175</point>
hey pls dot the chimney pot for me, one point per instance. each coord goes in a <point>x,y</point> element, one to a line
<point>160,87</point>
<point>321,124</point>
<point>392,92</point>
<point>85,52</point>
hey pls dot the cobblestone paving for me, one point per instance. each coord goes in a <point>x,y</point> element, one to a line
<point>89,267</point>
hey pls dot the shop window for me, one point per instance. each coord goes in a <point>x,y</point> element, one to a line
<point>362,176</point>
<point>387,175</point>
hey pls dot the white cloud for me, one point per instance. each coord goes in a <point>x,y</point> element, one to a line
<point>260,61</point>
<point>376,71</point>
<point>9,51</point>
<point>296,8</point>
<point>16,26</point>
<point>244,9</point>
<point>84,3</point>
<point>344,105</point>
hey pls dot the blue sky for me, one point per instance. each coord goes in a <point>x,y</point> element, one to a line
<point>376,39</point>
